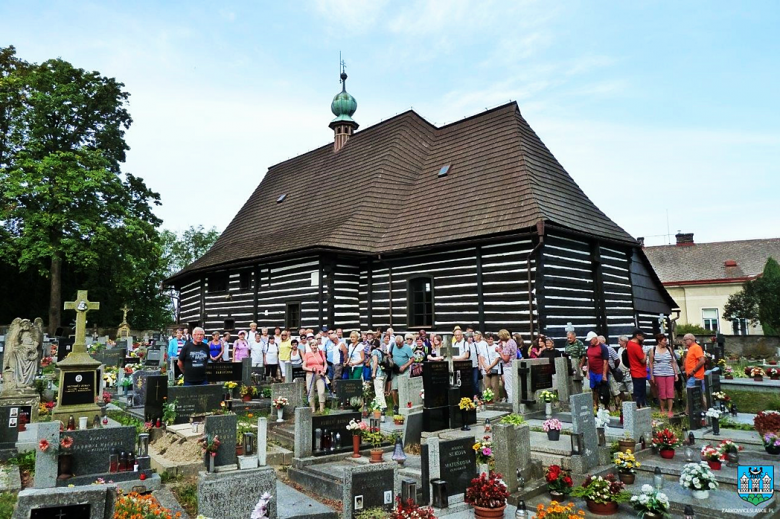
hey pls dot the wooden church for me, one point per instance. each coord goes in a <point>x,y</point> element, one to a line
<point>414,226</point>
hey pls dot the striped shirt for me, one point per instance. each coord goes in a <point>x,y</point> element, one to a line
<point>662,363</point>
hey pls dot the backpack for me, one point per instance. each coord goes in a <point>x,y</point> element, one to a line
<point>387,363</point>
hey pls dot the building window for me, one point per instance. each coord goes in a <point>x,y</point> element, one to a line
<point>709,317</point>
<point>292,316</point>
<point>230,325</point>
<point>420,302</point>
<point>245,280</point>
<point>218,283</point>
<point>740,326</point>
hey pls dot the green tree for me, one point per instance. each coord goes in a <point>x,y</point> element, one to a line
<point>742,305</point>
<point>759,300</point>
<point>63,197</point>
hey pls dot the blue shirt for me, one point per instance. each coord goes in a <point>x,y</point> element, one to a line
<point>402,354</point>
<point>328,347</point>
<point>174,347</point>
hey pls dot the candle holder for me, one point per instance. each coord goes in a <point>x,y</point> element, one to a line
<point>143,444</point>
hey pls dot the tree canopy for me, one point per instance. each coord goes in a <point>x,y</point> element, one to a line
<point>759,300</point>
<point>64,201</point>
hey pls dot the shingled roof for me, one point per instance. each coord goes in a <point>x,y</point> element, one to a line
<point>386,195</point>
<point>707,262</point>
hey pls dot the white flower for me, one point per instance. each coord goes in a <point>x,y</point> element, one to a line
<point>644,498</point>
<point>634,499</point>
<point>647,489</point>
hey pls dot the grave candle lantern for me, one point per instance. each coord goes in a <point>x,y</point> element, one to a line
<point>658,479</point>
<point>521,512</point>
<point>318,439</point>
<point>249,444</point>
<point>113,463</point>
<point>408,490</point>
<point>143,444</point>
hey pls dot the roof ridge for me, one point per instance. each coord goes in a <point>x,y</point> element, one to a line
<point>715,242</point>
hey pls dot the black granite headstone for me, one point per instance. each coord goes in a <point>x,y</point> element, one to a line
<point>457,466</point>
<point>62,512</point>
<point>223,426</point>
<point>436,418</point>
<point>347,389</point>
<point>436,382</point>
<point>64,346</point>
<point>541,376</point>
<point>93,447</point>
<point>156,394</point>
<point>79,387</point>
<point>130,360</point>
<point>695,406</point>
<point>194,400</point>
<point>333,423</point>
<point>463,379</point>
<point>299,373</point>
<point>224,372</point>
<point>9,426</point>
<point>371,490</point>
<point>139,385</point>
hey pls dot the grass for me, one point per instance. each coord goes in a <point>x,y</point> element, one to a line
<point>25,461</point>
<point>187,496</point>
<point>754,401</point>
<point>125,419</point>
<point>7,505</point>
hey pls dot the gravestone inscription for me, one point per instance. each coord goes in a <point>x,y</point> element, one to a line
<point>695,406</point>
<point>436,382</point>
<point>194,400</point>
<point>223,426</point>
<point>224,372</point>
<point>457,465</point>
<point>299,373</point>
<point>62,512</point>
<point>369,487</point>
<point>462,378</point>
<point>139,385</point>
<point>346,389</point>
<point>92,447</point>
<point>9,426</point>
<point>79,387</point>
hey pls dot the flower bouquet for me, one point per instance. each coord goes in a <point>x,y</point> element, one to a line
<point>553,428</point>
<point>699,479</point>
<point>721,396</point>
<point>209,445</point>
<point>714,457</point>
<point>602,494</point>
<point>665,440</point>
<point>728,372</point>
<point>767,421</point>
<point>484,450</point>
<point>556,510</point>
<point>772,443</point>
<point>465,405</point>
<point>247,392</point>
<point>357,427</point>
<point>559,481</point>
<point>411,510</point>
<point>626,464</point>
<point>757,373</point>
<point>280,402</point>
<point>713,413</point>
<point>488,395</point>
<point>230,386</point>
<point>650,501</point>
<point>548,397</point>
<point>774,373</point>
<point>487,491</point>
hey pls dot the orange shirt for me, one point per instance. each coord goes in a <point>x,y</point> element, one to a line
<point>692,358</point>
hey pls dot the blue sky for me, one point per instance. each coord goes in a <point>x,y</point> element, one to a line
<point>652,107</point>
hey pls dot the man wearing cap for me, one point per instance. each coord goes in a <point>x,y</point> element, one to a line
<point>637,364</point>
<point>597,360</point>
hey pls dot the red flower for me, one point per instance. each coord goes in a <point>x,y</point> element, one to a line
<point>43,445</point>
<point>567,480</point>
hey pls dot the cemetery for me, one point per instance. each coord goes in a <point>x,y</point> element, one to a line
<point>99,431</point>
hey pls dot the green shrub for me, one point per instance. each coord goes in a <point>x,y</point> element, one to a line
<point>373,513</point>
<point>512,419</point>
<point>125,419</point>
<point>24,460</point>
<point>7,505</point>
<point>695,329</point>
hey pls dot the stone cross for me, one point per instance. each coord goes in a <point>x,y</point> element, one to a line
<point>124,309</point>
<point>82,305</point>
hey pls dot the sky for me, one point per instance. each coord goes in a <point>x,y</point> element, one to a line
<point>666,114</point>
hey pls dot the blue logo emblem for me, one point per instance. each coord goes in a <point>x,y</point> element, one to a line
<point>755,483</point>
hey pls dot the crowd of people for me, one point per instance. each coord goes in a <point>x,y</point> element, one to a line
<point>382,358</point>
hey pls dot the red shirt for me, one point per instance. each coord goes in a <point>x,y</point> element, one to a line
<point>636,356</point>
<point>595,359</point>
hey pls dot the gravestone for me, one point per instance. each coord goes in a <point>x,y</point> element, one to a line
<point>224,372</point>
<point>302,448</point>
<point>154,357</point>
<point>79,387</point>
<point>139,385</point>
<point>413,428</point>
<point>436,382</point>
<point>9,426</point>
<point>298,373</point>
<point>194,400</point>
<point>463,378</point>
<point>563,380</point>
<point>333,423</point>
<point>81,502</point>
<point>262,440</point>
<point>156,393</point>
<point>637,422</point>
<point>369,487</point>
<point>695,406</point>
<point>223,426</point>
<point>409,389</point>
<point>292,391</point>
<point>233,495</point>
<point>711,385</point>
<point>514,444</point>
<point>92,447</point>
<point>537,377</point>
<point>584,424</point>
<point>46,462</point>
<point>454,461</point>
<point>347,389</point>
<point>64,346</point>
<point>110,357</point>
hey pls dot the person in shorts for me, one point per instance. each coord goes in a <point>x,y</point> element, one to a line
<point>597,360</point>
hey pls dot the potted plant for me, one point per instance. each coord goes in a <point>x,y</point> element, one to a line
<point>357,428</point>
<point>728,373</point>
<point>279,403</point>
<point>487,494</point>
<point>375,438</point>
<point>626,464</point>
<point>721,396</point>
<point>553,429</point>
<point>559,481</point>
<point>666,441</point>
<point>758,374</point>
<point>602,494</point>
<point>772,443</point>
<point>767,421</point>
<point>169,411</point>
<point>556,510</point>
<point>398,419</point>
<point>774,373</point>
<point>548,397</point>
<point>731,451</point>
<point>699,479</point>
<point>651,504</point>
<point>488,396</point>
<point>714,416</point>
<point>209,445</point>
<point>484,451</point>
<point>230,387</point>
<point>411,509</point>
<point>465,405</point>
<point>375,408</point>
<point>627,444</point>
<point>714,457</point>
<point>248,392</point>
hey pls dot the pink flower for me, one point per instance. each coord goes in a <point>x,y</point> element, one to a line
<point>43,445</point>
<point>487,451</point>
<point>66,442</point>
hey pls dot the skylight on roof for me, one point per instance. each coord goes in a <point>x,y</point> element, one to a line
<point>281,198</point>
<point>444,170</point>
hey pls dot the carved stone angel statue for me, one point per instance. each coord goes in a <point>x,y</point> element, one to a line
<point>22,355</point>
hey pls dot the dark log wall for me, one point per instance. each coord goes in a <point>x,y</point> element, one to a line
<point>190,302</point>
<point>236,305</point>
<point>345,302</point>
<point>617,292</point>
<point>292,281</point>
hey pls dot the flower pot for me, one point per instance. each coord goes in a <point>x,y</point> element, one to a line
<point>775,377</point>
<point>626,445</point>
<point>239,450</point>
<point>667,453</point>
<point>627,478</point>
<point>280,414</point>
<point>558,496</point>
<point>377,414</point>
<point>463,417</point>
<point>483,468</point>
<point>700,494</point>
<point>65,466</point>
<point>376,456</point>
<point>355,445</point>
<point>247,397</point>
<point>602,508</point>
<point>398,422</point>
<point>480,512</point>
<point>554,435</point>
<point>714,465</point>
<point>732,459</point>
<point>727,377</point>
<point>208,461</point>
<point>758,379</point>
<point>771,449</point>
<point>548,410</point>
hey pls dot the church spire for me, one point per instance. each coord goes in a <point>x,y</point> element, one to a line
<point>343,107</point>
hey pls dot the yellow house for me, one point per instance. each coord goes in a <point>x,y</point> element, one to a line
<point>701,277</point>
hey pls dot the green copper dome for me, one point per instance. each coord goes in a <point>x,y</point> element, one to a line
<point>343,105</point>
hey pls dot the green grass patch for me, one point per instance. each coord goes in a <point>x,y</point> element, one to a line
<point>187,496</point>
<point>125,419</point>
<point>7,505</point>
<point>25,461</point>
<point>754,401</point>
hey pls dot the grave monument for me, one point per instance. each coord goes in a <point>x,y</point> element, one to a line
<point>21,360</point>
<point>79,384</point>
<point>124,329</point>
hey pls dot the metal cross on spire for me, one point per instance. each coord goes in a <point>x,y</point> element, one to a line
<point>82,305</point>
